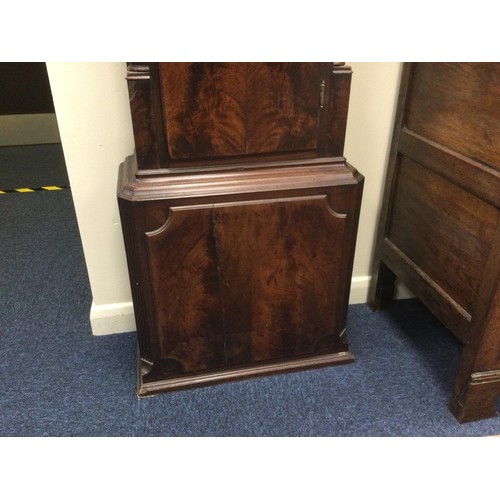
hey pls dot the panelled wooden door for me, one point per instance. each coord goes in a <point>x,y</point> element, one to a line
<point>237,290</point>
<point>231,109</point>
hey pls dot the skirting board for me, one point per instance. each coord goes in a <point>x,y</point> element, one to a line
<point>112,318</point>
<point>119,318</point>
<point>360,286</point>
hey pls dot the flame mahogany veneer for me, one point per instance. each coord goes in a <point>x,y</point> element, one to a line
<point>239,215</point>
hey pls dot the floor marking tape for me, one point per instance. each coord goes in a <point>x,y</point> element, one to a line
<point>33,189</point>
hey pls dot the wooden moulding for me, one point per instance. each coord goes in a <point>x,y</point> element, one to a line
<point>191,381</point>
<point>236,179</point>
<point>477,399</point>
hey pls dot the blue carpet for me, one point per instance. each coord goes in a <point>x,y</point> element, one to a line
<point>59,380</point>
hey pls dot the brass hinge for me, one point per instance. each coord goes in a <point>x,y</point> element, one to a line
<point>322,94</point>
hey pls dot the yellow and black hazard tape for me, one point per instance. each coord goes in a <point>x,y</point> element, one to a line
<point>33,189</point>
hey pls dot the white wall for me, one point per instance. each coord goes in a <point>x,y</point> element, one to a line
<point>93,114</point>
<point>372,107</point>
<point>91,103</point>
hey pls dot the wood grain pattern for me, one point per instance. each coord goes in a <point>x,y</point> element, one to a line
<point>220,109</point>
<point>247,282</point>
<point>184,279</point>
<point>440,212</point>
<point>278,277</point>
<point>282,106</point>
<point>199,113</point>
<point>477,386</point>
<point>147,119</point>
<point>448,102</point>
<point>440,227</point>
<point>472,176</point>
<point>243,283</point>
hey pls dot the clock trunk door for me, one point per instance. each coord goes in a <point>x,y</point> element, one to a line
<point>216,110</point>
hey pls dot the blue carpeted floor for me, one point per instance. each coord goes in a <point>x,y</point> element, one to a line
<point>59,380</point>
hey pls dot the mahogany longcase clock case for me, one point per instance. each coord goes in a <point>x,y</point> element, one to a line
<point>239,214</point>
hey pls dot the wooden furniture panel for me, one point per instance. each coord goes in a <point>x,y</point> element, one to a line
<point>440,222</point>
<point>239,224</point>
<point>184,276</point>
<point>441,212</point>
<point>437,111</point>
<point>240,108</point>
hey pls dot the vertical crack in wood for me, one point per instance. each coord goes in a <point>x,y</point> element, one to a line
<point>219,280</point>
<point>246,108</point>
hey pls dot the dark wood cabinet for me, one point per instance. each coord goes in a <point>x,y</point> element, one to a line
<point>239,215</point>
<point>440,223</point>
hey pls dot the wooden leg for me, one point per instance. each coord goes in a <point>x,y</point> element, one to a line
<point>477,400</point>
<point>382,288</point>
<point>477,385</point>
